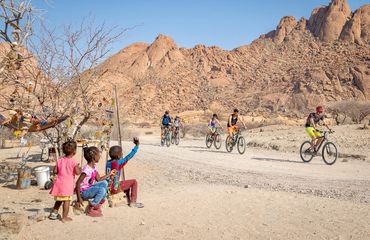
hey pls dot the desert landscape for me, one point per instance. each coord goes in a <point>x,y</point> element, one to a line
<point>70,86</point>
<point>190,191</point>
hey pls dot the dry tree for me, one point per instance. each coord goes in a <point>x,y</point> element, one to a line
<point>53,72</point>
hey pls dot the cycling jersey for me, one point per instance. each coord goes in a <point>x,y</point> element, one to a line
<point>166,120</point>
<point>176,122</point>
<point>234,120</point>
<point>213,123</point>
<point>312,116</point>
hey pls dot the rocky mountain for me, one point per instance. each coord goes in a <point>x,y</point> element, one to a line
<point>299,65</point>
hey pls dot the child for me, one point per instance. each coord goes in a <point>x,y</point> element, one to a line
<point>129,187</point>
<point>87,189</point>
<point>66,168</point>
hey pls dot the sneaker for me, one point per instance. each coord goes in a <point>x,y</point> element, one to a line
<point>136,205</point>
<point>94,211</point>
<point>54,216</point>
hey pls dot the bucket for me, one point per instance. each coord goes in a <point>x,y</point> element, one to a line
<point>42,176</point>
<point>24,178</point>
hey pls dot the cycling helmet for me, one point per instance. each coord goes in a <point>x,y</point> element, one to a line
<point>236,110</point>
<point>319,109</point>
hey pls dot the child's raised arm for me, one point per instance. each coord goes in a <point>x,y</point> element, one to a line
<point>122,162</point>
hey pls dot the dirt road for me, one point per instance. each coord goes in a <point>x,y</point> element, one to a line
<point>191,192</point>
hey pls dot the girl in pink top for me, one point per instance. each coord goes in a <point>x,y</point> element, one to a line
<point>66,168</point>
<point>90,185</point>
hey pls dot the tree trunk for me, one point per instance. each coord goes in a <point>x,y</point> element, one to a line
<point>79,125</point>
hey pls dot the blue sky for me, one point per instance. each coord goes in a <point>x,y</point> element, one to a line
<point>224,23</point>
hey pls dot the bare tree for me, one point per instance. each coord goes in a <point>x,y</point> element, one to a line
<point>59,75</point>
<point>16,18</point>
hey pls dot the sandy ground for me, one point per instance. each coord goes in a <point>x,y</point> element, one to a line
<point>191,192</point>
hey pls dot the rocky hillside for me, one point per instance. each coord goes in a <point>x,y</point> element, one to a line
<point>301,64</point>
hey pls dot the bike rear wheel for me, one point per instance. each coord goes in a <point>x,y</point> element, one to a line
<point>209,140</point>
<point>229,146</point>
<point>305,151</point>
<point>241,145</point>
<point>329,153</point>
<point>177,139</point>
<point>217,141</point>
<point>173,139</point>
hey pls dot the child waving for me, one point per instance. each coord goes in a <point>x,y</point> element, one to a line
<point>117,162</point>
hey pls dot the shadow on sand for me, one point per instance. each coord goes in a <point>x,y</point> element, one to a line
<point>212,151</point>
<point>276,160</point>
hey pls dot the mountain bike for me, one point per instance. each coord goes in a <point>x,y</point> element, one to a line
<point>329,150</point>
<point>176,136</point>
<point>167,136</point>
<point>214,138</point>
<point>237,140</point>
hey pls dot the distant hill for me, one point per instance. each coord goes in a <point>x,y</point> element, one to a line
<point>300,64</point>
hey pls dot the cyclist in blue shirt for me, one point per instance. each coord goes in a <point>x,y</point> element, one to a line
<point>165,122</point>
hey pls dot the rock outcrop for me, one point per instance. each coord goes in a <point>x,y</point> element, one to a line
<point>357,29</point>
<point>327,23</point>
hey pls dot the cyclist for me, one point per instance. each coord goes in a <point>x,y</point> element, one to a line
<point>165,122</point>
<point>176,125</point>
<point>232,124</point>
<point>312,122</point>
<point>213,123</point>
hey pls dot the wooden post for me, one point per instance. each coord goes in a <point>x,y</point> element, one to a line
<point>118,125</point>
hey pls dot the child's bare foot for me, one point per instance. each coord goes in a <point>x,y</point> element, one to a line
<point>66,219</point>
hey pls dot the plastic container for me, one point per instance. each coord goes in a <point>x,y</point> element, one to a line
<point>42,176</point>
<point>24,178</point>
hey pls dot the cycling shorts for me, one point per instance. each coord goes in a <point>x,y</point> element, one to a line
<point>312,132</point>
<point>211,129</point>
<point>232,129</point>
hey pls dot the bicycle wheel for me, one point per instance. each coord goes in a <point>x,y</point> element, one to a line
<point>209,140</point>
<point>241,145</point>
<point>173,139</point>
<point>177,139</point>
<point>229,146</point>
<point>329,153</point>
<point>217,141</point>
<point>168,139</point>
<point>305,151</point>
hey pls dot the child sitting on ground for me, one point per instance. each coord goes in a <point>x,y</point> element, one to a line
<point>87,189</point>
<point>66,168</point>
<point>129,187</point>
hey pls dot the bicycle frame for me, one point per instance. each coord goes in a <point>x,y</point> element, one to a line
<point>324,139</point>
<point>236,136</point>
